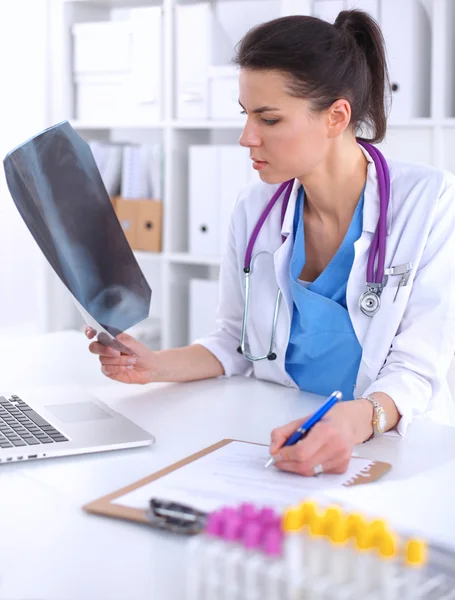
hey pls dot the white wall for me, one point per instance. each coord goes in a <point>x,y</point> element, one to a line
<point>23,112</point>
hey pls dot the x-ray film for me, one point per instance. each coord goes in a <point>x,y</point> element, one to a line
<point>57,188</point>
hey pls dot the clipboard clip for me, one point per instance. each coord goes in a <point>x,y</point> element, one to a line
<point>176,517</point>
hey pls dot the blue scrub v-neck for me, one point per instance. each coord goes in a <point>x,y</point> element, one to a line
<point>323,353</point>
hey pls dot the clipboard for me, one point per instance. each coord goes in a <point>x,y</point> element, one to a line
<point>106,505</point>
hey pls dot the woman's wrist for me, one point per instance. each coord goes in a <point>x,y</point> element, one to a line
<point>365,415</point>
<point>363,423</point>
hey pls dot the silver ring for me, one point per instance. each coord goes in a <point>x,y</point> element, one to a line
<point>318,470</point>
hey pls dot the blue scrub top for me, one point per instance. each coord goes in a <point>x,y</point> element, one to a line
<point>323,353</point>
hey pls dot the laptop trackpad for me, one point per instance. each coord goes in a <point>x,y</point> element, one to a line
<point>78,411</point>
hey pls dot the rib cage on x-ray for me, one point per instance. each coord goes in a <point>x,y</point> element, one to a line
<point>58,190</point>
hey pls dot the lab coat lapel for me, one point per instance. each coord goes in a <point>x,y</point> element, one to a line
<point>282,256</point>
<point>357,279</point>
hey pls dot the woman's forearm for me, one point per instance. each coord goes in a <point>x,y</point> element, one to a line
<point>189,363</point>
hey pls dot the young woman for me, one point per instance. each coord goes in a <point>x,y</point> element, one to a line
<point>349,259</point>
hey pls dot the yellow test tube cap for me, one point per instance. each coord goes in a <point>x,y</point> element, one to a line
<point>331,516</point>
<point>388,545</point>
<point>332,513</point>
<point>292,519</point>
<point>378,528</point>
<point>308,509</point>
<point>354,522</point>
<point>416,553</point>
<point>338,532</point>
<point>317,525</point>
<point>363,538</point>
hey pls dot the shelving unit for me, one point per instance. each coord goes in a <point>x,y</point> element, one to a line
<point>427,138</point>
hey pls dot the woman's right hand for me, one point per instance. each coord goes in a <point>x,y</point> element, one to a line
<point>121,367</point>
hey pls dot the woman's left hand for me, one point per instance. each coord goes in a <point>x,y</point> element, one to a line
<point>329,443</point>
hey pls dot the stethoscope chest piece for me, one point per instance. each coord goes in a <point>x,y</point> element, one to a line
<point>370,301</point>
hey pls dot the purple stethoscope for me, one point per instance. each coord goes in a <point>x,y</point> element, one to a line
<point>370,300</point>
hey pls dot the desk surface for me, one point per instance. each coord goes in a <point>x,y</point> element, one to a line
<point>51,550</point>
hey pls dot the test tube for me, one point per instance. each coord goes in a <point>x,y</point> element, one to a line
<point>364,562</point>
<point>197,548</point>
<point>272,578</point>
<point>293,558</point>
<point>415,561</point>
<point>232,559</point>
<point>340,554</point>
<point>387,582</point>
<point>250,581</point>
<point>213,558</point>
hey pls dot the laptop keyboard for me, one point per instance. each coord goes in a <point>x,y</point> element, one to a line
<point>20,425</point>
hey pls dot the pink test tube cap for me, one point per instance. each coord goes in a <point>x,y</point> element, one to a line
<point>214,525</point>
<point>252,534</point>
<point>248,511</point>
<point>233,528</point>
<point>267,515</point>
<point>272,542</point>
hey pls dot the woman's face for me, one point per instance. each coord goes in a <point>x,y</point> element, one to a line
<point>285,138</point>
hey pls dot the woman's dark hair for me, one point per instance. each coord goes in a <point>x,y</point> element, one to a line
<point>326,62</point>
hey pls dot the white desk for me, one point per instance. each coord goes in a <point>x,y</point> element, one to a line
<point>51,550</point>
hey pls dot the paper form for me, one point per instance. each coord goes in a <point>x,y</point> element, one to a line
<point>233,474</point>
<point>421,505</point>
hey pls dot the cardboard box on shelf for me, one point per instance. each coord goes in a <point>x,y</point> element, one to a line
<point>148,225</point>
<point>141,221</point>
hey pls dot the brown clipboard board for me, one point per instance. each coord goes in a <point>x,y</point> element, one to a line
<point>106,507</point>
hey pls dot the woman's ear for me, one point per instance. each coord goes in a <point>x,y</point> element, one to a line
<point>338,117</point>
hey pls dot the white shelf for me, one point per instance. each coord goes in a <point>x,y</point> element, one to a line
<point>208,124</point>
<point>191,259</point>
<point>142,255</point>
<point>99,125</point>
<point>178,125</point>
<point>114,3</point>
<point>413,123</point>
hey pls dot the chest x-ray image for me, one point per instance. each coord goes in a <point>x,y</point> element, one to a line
<point>57,188</point>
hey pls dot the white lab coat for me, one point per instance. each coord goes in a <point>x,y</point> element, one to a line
<point>408,345</point>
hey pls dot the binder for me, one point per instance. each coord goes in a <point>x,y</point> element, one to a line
<point>155,170</point>
<point>137,172</point>
<point>223,93</point>
<point>203,200</point>
<point>203,308</point>
<point>193,57</point>
<point>231,160</point>
<point>409,57</point>
<point>108,158</point>
<point>229,24</point>
<point>146,60</point>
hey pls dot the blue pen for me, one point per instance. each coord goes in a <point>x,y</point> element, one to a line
<point>305,427</point>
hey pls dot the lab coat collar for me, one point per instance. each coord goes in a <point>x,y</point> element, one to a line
<point>370,205</point>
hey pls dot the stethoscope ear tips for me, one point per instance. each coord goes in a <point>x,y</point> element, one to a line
<point>239,350</point>
<point>271,356</point>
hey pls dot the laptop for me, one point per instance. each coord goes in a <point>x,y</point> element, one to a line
<point>51,422</point>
